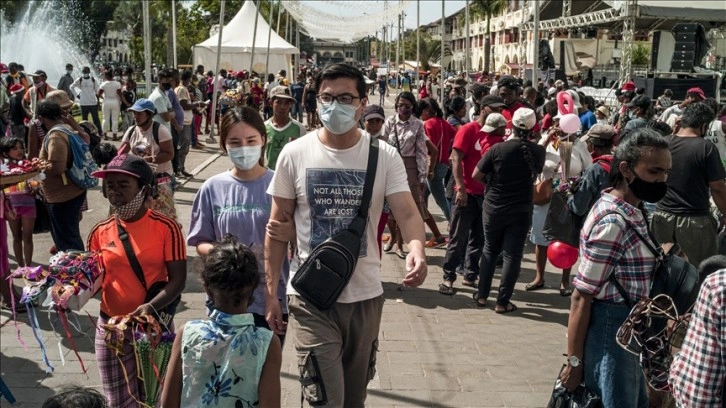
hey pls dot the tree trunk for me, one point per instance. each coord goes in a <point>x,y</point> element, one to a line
<point>487,46</point>
<point>169,47</point>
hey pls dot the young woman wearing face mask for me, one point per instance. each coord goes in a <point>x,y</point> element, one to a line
<point>236,201</point>
<point>160,250</point>
<point>610,246</point>
<point>406,133</point>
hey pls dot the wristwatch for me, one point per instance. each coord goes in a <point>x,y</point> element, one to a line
<point>573,361</point>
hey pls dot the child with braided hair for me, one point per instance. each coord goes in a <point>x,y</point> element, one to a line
<point>243,361</point>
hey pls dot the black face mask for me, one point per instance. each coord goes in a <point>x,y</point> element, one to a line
<point>166,86</point>
<point>649,191</point>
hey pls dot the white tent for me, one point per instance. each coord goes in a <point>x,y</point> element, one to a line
<point>237,45</point>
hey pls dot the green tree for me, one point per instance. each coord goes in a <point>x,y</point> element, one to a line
<point>429,50</point>
<point>487,9</point>
<point>640,53</point>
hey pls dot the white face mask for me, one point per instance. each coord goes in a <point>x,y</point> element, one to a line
<point>244,157</point>
<point>337,118</point>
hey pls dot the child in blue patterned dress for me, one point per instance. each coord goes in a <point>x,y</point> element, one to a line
<point>225,359</point>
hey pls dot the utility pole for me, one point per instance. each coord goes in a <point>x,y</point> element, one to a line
<point>254,37</point>
<point>468,43</point>
<point>418,42</point>
<point>398,51</point>
<point>211,138</point>
<point>535,59</point>
<point>173,31</point>
<point>441,65</point>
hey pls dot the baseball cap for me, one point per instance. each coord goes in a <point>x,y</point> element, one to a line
<point>698,91</point>
<point>15,88</point>
<point>524,118</point>
<point>640,101</point>
<point>129,165</point>
<point>143,104</point>
<point>493,122</point>
<point>628,86</point>
<point>600,131</point>
<point>575,98</point>
<point>492,101</point>
<point>551,91</point>
<point>281,92</point>
<point>39,72</point>
<point>3,68</point>
<point>374,112</point>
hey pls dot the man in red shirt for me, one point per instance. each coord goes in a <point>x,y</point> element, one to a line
<point>470,143</point>
<point>508,88</point>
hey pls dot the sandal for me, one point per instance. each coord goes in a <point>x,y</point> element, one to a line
<point>565,292</point>
<point>435,243</point>
<point>511,307</point>
<point>445,289</point>
<point>469,283</point>
<point>400,254</point>
<point>478,301</point>
<point>534,286</point>
<point>388,246</point>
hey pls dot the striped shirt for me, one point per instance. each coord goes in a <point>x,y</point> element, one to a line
<point>609,245</point>
<point>698,372</point>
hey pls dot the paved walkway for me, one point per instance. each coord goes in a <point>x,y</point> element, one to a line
<point>435,350</point>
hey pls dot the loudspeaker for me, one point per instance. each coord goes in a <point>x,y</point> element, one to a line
<point>690,46</point>
<point>654,51</point>
<point>681,66</point>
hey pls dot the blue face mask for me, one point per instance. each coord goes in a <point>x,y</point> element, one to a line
<point>337,118</point>
<point>244,157</point>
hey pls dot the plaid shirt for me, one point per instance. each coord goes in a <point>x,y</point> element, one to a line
<point>409,138</point>
<point>698,373</point>
<point>609,245</point>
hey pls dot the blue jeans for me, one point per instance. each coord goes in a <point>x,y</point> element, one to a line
<point>65,220</point>
<point>438,190</point>
<point>610,371</point>
<point>503,234</point>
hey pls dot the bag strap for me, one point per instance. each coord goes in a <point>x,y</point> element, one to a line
<point>357,225</point>
<point>133,261</point>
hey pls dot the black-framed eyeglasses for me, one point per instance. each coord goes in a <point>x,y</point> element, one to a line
<point>344,99</point>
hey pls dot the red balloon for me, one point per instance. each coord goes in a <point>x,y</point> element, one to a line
<point>562,255</point>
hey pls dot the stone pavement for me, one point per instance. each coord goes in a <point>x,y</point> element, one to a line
<point>435,350</point>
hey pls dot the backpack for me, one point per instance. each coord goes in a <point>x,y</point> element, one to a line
<point>154,131</point>
<point>83,165</point>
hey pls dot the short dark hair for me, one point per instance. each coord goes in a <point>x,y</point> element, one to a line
<point>49,110</point>
<point>711,265</point>
<point>186,75</point>
<point>477,90</point>
<point>509,83</point>
<point>104,153</point>
<point>75,396</point>
<point>408,96</point>
<point>631,149</point>
<point>697,115</point>
<point>335,71</point>
<point>108,74</point>
<point>232,268</point>
<point>456,104</point>
<point>246,115</point>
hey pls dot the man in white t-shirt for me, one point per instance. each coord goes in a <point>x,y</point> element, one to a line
<point>87,88</point>
<point>164,111</point>
<point>337,348</point>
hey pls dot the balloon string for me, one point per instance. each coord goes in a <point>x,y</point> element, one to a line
<point>33,318</point>
<point>64,322</point>
<point>58,338</point>
<point>15,316</point>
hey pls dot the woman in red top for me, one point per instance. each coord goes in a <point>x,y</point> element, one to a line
<point>441,134</point>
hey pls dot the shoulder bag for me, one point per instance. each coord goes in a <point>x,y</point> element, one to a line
<point>165,314</point>
<point>326,272</point>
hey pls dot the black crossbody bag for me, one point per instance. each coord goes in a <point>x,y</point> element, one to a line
<point>328,269</point>
<point>165,314</point>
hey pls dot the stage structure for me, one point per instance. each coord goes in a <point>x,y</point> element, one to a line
<point>625,16</point>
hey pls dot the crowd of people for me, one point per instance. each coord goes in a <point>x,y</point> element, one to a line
<point>643,168</point>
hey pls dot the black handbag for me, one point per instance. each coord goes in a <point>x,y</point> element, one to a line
<point>326,272</point>
<point>165,314</point>
<point>561,223</point>
<point>580,398</point>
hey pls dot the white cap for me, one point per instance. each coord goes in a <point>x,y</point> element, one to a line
<point>493,122</point>
<point>551,91</point>
<point>524,118</point>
